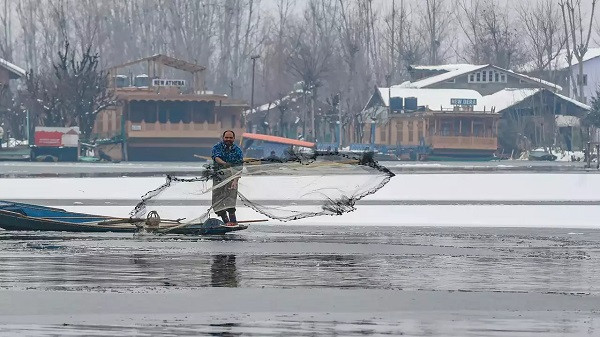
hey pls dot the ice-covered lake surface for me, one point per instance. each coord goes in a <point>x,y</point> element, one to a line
<point>304,280</point>
<point>436,254</point>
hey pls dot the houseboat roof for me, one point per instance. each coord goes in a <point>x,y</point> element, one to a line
<point>433,98</point>
<point>279,140</point>
<point>463,69</point>
<point>149,96</point>
<point>440,99</point>
<point>166,60</point>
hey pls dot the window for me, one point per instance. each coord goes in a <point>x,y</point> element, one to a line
<point>162,115</point>
<point>382,134</point>
<point>178,112</point>
<point>202,113</point>
<point>446,129</point>
<point>451,81</point>
<point>584,79</point>
<point>110,121</point>
<point>399,132</point>
<point>411,131</point>
<point>100,123</point>
<point>487,76</point>
<point>136,116</point>
<point>478,129</point>
<point>420,130</point>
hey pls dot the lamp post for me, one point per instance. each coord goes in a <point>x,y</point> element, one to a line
<point>254,57</point>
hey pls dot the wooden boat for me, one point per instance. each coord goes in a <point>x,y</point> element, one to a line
<point>541,155</point>
<point>16,216</point>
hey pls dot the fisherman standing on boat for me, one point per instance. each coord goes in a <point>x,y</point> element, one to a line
<point>228,159</point>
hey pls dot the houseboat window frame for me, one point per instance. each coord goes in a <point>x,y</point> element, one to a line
<point>487,76</point>
<point>399,133</point>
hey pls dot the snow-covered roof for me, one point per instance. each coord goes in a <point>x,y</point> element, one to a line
<point>291,97</point>
<point>505,98</point>
<point>444,67</point>
<point>560,62</point>
<point>535,79</point>
<point>464,69</point>
<point>12,68</point>
<point>576,102</point>
<point>439,99</point>
<point>433,98</point>
<point>467,68</point>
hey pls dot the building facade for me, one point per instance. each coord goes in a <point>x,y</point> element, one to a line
<point>558,72</point>
<point>164,115</point>
<point>468,110</point>
<point>434,128</point>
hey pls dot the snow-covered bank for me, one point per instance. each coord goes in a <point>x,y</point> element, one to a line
<point>538,186</point>
<point>518,187</point>
<point>439,216</point>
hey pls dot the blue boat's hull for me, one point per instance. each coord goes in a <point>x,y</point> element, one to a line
<point>28,217</point>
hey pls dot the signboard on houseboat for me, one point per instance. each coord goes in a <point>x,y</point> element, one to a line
<point>162,82</point>
<point>463,101</point>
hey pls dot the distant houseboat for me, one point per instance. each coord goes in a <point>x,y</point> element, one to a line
<point>164,113</point>
<point>456,129</point>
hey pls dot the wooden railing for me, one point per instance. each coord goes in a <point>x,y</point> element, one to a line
<point>461,142</point>
<point>173,130</point>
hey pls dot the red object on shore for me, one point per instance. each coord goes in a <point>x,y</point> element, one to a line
<point>48,138</point>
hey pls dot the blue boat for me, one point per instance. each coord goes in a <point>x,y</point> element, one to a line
<point>16,216</point>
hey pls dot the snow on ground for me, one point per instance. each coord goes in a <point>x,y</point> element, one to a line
<point>569,155</point>
<point>509,199</point>
<point>408,215</point>
<point>517,186</point>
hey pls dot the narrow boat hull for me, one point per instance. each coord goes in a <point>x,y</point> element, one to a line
<point>28,217</point>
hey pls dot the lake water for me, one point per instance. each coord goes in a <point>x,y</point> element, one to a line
<point>417,281</point>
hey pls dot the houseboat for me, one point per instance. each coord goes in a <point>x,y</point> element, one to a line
<point>163,112</point>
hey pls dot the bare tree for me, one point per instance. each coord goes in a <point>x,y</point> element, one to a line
<point>544,32</point>
<point>574,31</point>
<point>437,23</point>
<point>492,37</point>
<point>309,52</point>
<point>6,43</point>
<point>73,94</point>
<point>356,77</point>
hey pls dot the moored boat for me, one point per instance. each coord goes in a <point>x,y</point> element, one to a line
<point>16,216</point>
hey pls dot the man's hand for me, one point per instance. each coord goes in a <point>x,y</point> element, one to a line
<point>222,162</point>
<point>234,184</point>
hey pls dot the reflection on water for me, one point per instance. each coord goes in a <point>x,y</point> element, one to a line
<point>505,260</point>
<point>492,260</point>
<point>223,271</point>
<point>408,324</point>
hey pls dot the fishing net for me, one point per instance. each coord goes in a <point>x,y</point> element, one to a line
<point>301,185</point>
